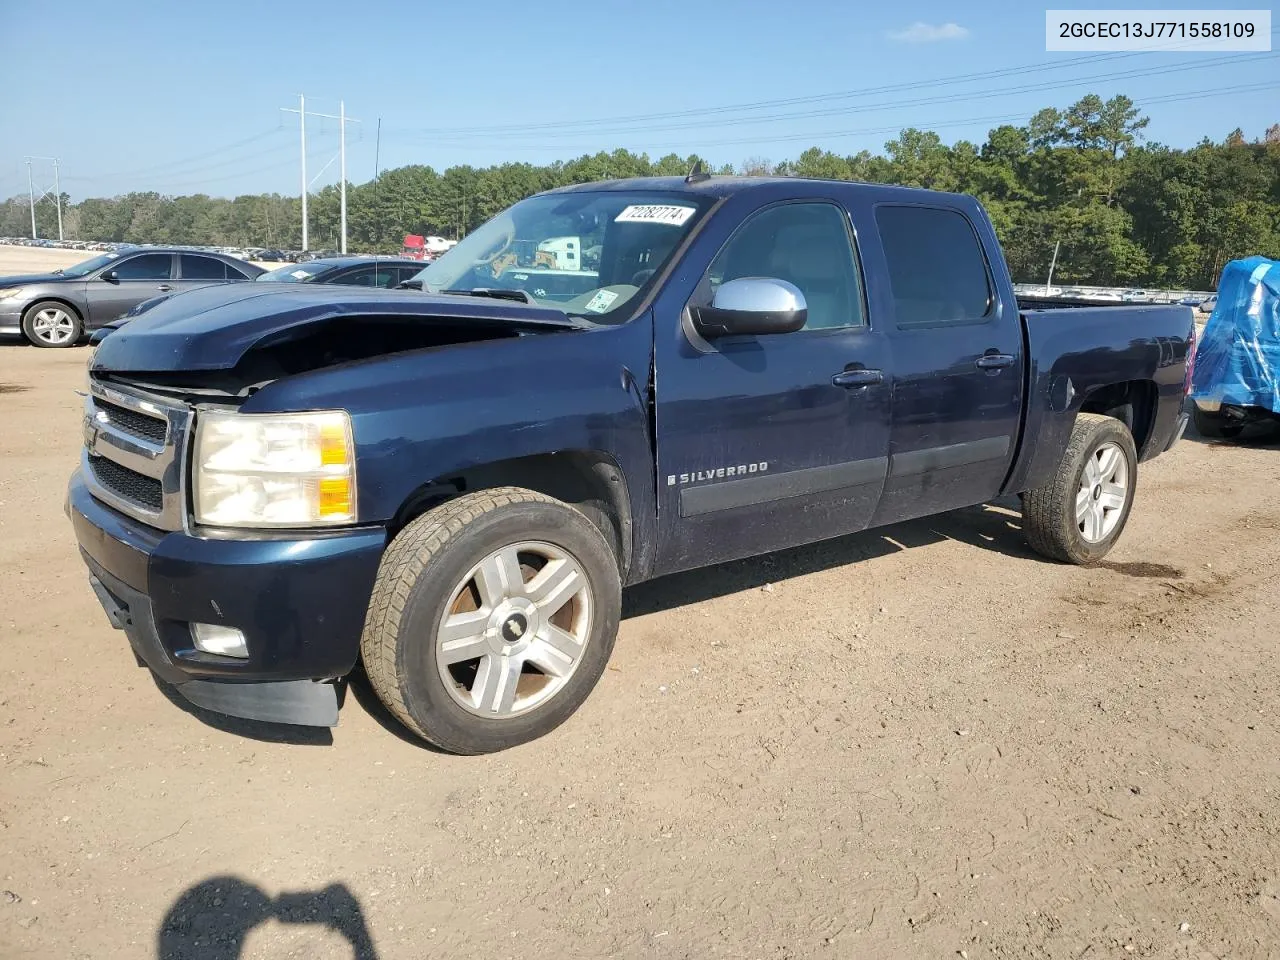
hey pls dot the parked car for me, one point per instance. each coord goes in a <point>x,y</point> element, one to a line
<point>1206,306</point>
<point>454,485</point>
<point>56,309</point>
<point>349,271</point>
<point>1191,301</point>
<point>1237,366</point>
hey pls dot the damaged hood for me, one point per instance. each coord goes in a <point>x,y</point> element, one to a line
<point>212,328</point>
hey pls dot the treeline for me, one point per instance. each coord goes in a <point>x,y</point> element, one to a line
<point>1123,212</point>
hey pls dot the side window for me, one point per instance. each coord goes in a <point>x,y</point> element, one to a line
<point>362,277</point>
<point>936,268</point>
<point>806,244</point>
<point>407,273</point>
<point>235,273</point>
<point>146,266</point>
<point>201,268</point>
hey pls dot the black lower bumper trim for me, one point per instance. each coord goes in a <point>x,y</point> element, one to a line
<point>305,703</point>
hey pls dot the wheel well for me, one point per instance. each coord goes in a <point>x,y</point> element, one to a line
<point>1133,403</point>
<point>66,303</point>
<point>588,480</point>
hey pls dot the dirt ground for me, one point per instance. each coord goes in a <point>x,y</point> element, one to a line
<point>919,742</point>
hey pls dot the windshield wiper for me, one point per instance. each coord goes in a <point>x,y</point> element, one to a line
<point>409,285</point>
<point>517,295</point>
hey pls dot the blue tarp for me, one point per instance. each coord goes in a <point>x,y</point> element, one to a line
<point>1238,360</point>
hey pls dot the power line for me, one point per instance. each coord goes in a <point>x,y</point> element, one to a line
<point>894,104</point>
<point>1036,68</point>
<point>199,158</point>
<point>702,142</point>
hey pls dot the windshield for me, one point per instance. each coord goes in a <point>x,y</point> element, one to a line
<point>588,254</point>
<point>292,273</point>
<point>88,266</point>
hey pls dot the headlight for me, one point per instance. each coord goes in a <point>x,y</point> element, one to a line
<point>274,470</point>
<point>7,292</point>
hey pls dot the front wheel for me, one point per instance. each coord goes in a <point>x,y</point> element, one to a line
<point>52,324</point>
<point>491,620</point>
<point>1079,515</point>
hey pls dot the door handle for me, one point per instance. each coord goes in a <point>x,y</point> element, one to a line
<point>860,377</point>
<point>165,287</point>
<point>994,361</point>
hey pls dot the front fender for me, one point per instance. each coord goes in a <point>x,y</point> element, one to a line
<point>424,416</point>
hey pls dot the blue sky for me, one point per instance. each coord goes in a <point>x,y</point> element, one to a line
<point>183,97</point>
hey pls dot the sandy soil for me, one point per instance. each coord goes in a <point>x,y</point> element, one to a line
<point>922,742</point>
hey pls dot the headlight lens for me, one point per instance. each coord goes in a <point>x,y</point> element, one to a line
<point>7,292</point>
<point>274,470</point>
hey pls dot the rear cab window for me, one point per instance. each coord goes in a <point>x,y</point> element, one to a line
<point>937,270</point>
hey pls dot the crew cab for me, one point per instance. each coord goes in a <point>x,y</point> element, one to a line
<point>452,485</point>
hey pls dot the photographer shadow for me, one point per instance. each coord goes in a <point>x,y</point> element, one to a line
<point>213,919</point>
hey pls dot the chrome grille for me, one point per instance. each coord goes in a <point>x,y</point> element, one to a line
<point>131,421</point>
<point>127,483</point>
<point>134,444</point>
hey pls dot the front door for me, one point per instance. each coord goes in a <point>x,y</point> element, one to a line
<point>770,441</point>
<point>958,363</point>
<point>137,277</point>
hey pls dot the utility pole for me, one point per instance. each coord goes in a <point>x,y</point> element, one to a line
<point>343,120</point>
<point>44,192</point>
<point>1048,285</point>
<point>342,173</point>
<point>31,198</point>
<point>57,192</point>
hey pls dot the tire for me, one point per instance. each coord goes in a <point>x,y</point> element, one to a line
<point>50,323</point>
<point>1067,518</point>
<point>1215,426</point>
<point>457,563</point>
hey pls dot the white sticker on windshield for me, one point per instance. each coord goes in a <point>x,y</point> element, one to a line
<point>299,274</point>
<point>602,301</point>
<point>655,213</point>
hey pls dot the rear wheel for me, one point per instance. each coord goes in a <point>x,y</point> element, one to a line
<point>492,619</point>
<point>52,324</point>
<point>1079,515</point>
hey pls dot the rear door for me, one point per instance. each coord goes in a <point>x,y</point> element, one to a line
<point>958,359</point>
<point>769,441</point>
<point>137,277</point>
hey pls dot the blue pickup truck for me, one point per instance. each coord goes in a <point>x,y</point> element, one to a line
<point>450,485</point>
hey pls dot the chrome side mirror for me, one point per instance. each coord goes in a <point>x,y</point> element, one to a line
<point>752,306</point>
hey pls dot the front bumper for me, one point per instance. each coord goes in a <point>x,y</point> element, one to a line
<point>10,318</point>
<point>300,602</point>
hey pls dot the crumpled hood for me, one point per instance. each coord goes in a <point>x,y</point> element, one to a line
<point>212,328</point>
<point>25,278</point>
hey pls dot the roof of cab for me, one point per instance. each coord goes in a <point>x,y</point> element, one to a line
<point>721,186</point>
